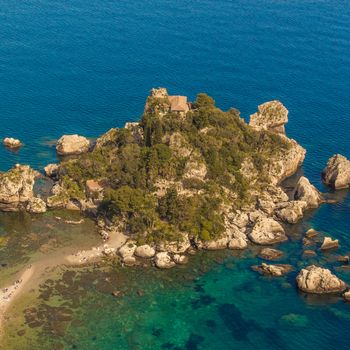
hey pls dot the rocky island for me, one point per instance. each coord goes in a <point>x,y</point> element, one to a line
<point>187,176</point>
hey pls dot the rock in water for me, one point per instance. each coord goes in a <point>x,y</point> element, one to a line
<point>271,116</point>
<point>273,270</point>
<point>337,172</point>
<point>329,243</point>
<point>12,143</point>
<point>164,261</point>
<point>308,193</point>
<point>72,144</point>
<point>16,187</point>
<point>318,280</point>
<point>270,254</point>
<point>267,231</point>
<point>36,206</point>
<point>291,212</point>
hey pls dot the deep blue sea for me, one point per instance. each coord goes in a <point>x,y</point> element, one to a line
<point>84,66</point>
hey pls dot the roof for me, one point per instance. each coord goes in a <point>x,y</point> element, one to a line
<point>178,103</point>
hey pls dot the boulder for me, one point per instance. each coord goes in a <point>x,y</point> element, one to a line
<point>267,231</point>
<point>308,193</point>
<point>72,144</point>
<point>12,143</point>
<point>272,116</point>
<point>16,187</point>
<point>329,243</point>
<point>36,205</point>
<point>291,212</point>
<point>273,270</point>
<point>51,170</point>
<point>164,261</point>
<point>337,172</point>
<point>145,251</point>
<point>128,249</point>
<point>311,233</point>
<point>318,280</point>
<point>270,254</point>
<point>129,261</point>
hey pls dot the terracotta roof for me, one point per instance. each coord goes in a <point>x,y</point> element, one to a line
<point>178,103</point>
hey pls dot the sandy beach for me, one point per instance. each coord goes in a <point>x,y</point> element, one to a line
<point>31,276</point>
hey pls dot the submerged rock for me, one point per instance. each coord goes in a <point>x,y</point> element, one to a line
<point>164,261</point>
<point>72,144</point>
<point>318,280</point>
<point>337,172</point>
<point>267,231</point>
<point>329,243</point>
<point>270,254</point>
<point>308,193</point>
<point>273,270</point>
<point>12,143</point>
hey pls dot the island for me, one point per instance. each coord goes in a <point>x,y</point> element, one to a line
<point>186,176</point>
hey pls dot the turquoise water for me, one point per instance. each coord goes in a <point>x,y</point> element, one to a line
<point>85,66</point>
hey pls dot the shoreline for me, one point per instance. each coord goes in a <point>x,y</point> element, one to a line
<point>34,272</point>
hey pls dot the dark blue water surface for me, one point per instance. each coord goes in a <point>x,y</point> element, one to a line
<point>84,66</point>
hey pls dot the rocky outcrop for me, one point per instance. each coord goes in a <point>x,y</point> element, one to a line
<point>291,212</point>
<point>267,231</point>
<point>237,243</point>
<point>273,270</point>
<point>16,188</point>
<point>12,143</point>
<point>145,251</point>
<point>72,144</point>
<point>318,280</point>
<point>337,172</point>
<point>36,206</point>
<point>272,116</point>
<point>163,260</point>
<point>329,243</point>
<point>217,244</point>
<point>58,198</point>
<point>308,193</point>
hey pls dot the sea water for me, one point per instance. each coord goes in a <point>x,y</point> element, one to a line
<point>86,66</point>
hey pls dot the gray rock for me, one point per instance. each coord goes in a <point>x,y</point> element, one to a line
<point>291,212</point>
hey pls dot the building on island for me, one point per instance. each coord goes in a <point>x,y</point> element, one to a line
<point>176,103</point>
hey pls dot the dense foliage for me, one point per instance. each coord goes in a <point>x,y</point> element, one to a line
<point>132,171</point>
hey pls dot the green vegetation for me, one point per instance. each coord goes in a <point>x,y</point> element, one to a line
<point>132,172</point>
